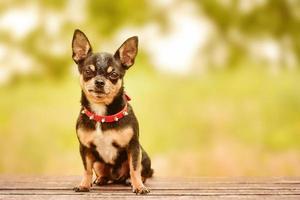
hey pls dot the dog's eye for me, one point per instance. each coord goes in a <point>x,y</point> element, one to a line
<point>88,72</point>
<point>113,75</point>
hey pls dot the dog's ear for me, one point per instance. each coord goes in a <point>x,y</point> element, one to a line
<point>81,46</point>
<point>127,52</point>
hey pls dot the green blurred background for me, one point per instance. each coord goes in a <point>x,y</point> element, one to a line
<point>215,85</point>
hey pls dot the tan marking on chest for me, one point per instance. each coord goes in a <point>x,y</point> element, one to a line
<point>104,141</point>
<point>98,108</point>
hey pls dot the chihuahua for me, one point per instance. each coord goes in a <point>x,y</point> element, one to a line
<point>107,128</point>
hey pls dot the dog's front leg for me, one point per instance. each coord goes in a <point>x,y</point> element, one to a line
<point>86,181</point>
<point>102,173</point>
<point>135,167</point>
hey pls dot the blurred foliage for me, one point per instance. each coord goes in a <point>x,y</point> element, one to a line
<point>276,19</point>
<point>273,18</point>
<point>198,123</point>
<point>103,19</point>
<point>111,15</point>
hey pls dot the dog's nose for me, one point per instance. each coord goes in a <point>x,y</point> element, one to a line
<point>99,83</point>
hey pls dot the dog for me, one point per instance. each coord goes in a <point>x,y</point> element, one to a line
<point>107,128</point>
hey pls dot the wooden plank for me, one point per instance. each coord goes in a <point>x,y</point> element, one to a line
<point>156,192</point>
<point>86,197</point>
<point>75,197</point>
<point>35,187</point>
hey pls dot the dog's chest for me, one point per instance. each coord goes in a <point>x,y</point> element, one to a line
<point>103,140</point>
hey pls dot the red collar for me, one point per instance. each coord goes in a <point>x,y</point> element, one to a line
<point>108,118</point>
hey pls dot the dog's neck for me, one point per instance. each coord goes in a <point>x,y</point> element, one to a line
<point>115,106</point>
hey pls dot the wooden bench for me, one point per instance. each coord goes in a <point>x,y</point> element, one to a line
<point>38,187</point>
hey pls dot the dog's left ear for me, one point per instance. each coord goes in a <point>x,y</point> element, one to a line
<point>127,52</point>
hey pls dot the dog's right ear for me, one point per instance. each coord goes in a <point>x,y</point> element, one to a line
<point>81,46</point>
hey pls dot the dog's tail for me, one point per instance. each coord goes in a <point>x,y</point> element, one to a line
<point>150,173</point>
<point>147,173</point>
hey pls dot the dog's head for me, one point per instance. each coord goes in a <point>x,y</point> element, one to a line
<point>101,74</point>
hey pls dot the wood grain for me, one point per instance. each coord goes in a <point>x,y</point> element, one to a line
<point>43,187</point>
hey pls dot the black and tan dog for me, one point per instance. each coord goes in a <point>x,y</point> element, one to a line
<point>107,129</point>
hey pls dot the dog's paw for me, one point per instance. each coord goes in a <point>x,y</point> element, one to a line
<point>140,190</point>
<point>81,189</point>
<point>101,181</point>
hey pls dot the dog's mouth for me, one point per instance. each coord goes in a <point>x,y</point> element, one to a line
<point>97,93</point>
